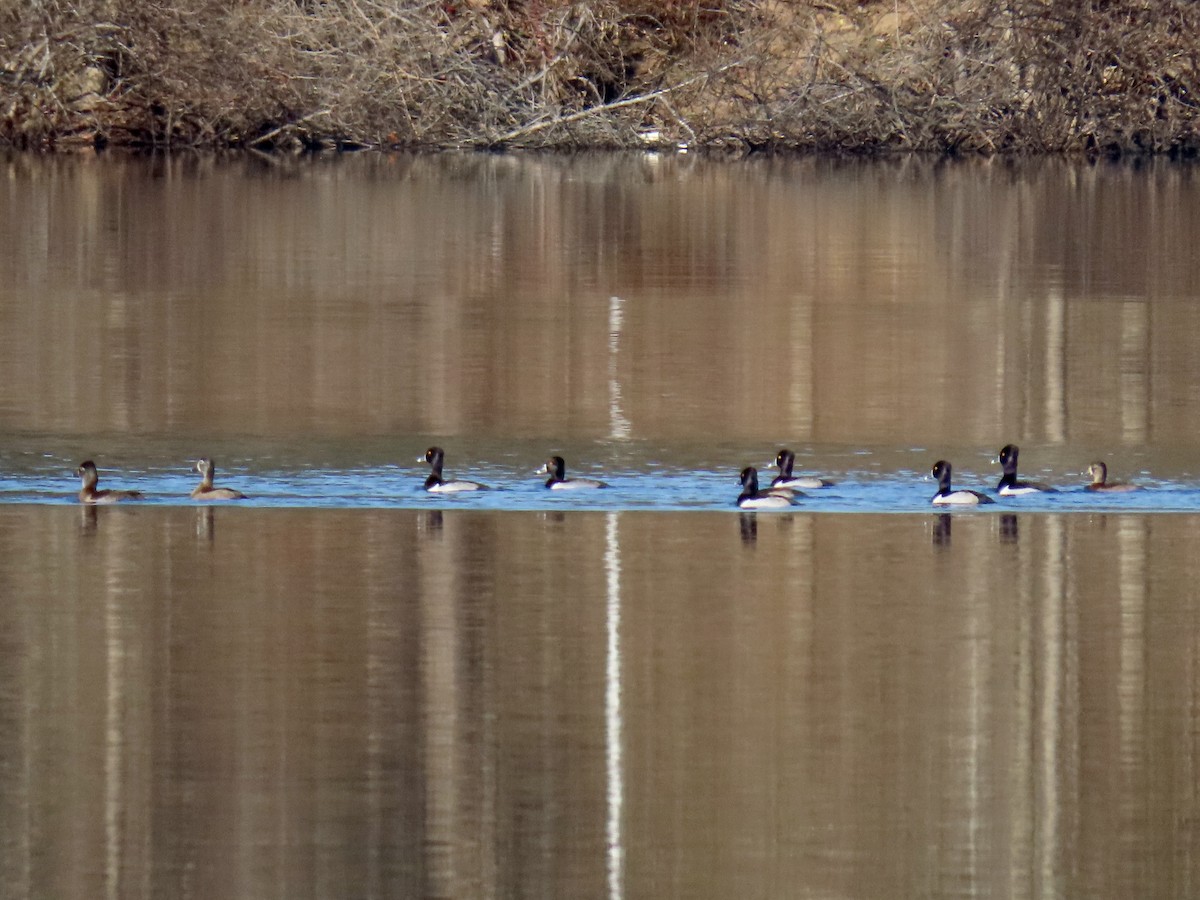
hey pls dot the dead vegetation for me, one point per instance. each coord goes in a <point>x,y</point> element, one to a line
<point>1115,76</point>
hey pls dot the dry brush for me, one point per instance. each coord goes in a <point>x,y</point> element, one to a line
<point>924,75</point>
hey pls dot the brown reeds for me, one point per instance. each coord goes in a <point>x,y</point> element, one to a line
<point>928,75</point>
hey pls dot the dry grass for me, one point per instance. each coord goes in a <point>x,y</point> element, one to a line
<point>930,75</point>
<point>1024,76</point>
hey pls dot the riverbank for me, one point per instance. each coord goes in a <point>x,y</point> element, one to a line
<point>944,76</point>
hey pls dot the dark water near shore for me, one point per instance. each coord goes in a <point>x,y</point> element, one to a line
<point>348,687</point>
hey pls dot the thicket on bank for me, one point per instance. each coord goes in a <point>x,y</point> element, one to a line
<point>1028,75</point>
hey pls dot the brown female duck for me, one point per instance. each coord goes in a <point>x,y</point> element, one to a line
<point>205,490</point>
<point>1098,472</point>
<point>89,493</point>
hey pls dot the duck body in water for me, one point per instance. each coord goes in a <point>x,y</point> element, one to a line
<point>1010,485</point>
<point>205,489</point>
<point>752,498</point>
<point>785,459</point>
<point>556,468</point>
<point>89,492</point>
<point>946,496</point>
<point>1098,472</point>
<point>436,483</point>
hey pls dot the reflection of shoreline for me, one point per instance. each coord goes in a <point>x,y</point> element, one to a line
<point>612,357</point>
<point>1007,703</point>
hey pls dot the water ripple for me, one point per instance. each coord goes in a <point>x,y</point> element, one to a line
<point>658,488</point>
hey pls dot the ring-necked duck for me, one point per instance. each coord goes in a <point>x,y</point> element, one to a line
<point>946,497</point>
<point>205,490</point>
<point>752,498</point>
<point>784,460</point>
<point>1009,485</point>
<point>1098,472</point>
<point>556,468</point>
<point>89,494</point>
<point>435,456</point>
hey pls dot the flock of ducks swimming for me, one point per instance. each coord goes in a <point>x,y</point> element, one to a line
<point>781,494</point>
<point>1011,486</point>
<point>89,477</point>
<point>555,467</point>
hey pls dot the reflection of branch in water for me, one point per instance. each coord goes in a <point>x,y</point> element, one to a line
<point>941,530</point>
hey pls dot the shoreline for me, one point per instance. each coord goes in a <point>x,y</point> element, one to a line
<point>935,76</point>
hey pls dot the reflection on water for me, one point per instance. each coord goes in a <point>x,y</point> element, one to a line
<point>89,517</point>
<point>522,694</point>
<point>205,515</point>
<point>614,710</point>
<point>427,703</point>
<point>748,522</point>
<point>943,525</point>
<point>1010,530</point>
<point>644,313</point>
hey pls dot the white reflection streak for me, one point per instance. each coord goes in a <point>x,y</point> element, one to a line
<point>612,711</point>
<point>978,666</point>
<point>802,365</point>
<point>1135,399</point>
<point>1056,314</point>
<point>114,682</point>
<point>1131,682</point>
<point>618,424</point>
<point>1052,710</point>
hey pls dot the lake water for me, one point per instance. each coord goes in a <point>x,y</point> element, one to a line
<point>348,687</point>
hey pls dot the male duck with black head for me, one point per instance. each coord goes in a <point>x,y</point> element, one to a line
<point>556,468</point>
<point>89,493</point>
<point>205,490</point>
<point>946,497</point>
<point>752,498</point>
<point>785,459</point>
<point>435,483</point>
<point>1010,485</point>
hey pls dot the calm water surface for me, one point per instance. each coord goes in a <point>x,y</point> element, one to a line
<point>249,702</point>
<point>314,326</point>
<point>349,687</point>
